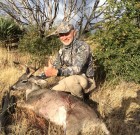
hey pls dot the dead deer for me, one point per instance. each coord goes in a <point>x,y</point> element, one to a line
<point>75,116</point>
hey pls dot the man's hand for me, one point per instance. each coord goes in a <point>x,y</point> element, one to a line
<point>50,70</point>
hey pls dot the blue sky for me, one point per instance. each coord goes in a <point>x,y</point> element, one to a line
<point>60,15</point>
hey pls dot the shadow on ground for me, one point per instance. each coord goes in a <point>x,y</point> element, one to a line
<point>126,119</point>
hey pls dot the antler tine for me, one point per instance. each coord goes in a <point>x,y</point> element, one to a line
<point>25,65</point>
<point>35,69</point>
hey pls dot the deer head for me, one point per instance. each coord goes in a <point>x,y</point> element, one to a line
<point>29,82</point>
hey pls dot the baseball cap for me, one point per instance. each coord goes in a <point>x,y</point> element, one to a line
<point>64,27</point>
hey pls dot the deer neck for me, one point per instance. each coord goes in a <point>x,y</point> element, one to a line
<point>34,87</point>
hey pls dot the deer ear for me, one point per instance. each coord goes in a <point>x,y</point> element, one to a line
<point>27,70</point>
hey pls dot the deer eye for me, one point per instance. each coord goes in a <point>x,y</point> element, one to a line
<point>24,81</point>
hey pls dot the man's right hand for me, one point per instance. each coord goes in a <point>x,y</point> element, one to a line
<point>50,70</point>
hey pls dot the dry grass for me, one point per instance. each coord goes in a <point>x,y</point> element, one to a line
<point>118,105</point>
<point>9,73</point>
<point>26,122</point>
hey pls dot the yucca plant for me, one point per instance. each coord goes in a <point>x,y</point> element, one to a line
<point>9,30</point>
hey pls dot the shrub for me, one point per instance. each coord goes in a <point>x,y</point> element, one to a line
<point>39,47</point>
<point>119,52</point>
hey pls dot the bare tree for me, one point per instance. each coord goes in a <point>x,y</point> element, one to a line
<point>41,13</point>
<point>89,15</point>
<point>84,12</point>
<point>70,8</point>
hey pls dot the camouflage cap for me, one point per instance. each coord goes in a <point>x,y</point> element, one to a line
<point>64,27</point>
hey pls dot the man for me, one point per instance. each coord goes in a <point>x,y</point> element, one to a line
<point>74,61</point>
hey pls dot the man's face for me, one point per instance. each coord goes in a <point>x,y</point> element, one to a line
<point>67,38</point>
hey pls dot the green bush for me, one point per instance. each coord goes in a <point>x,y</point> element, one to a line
<point>119,52</point>
<point>37,46</point>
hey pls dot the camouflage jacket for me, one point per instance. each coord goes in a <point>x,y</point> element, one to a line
<point>75,59</point>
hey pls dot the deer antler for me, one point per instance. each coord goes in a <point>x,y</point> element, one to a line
<point>27,66</point>
<point>32,72</point>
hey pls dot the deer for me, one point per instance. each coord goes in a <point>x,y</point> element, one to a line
<point>61,108</point>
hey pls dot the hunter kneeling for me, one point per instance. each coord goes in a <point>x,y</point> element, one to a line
<point>74,61</point>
